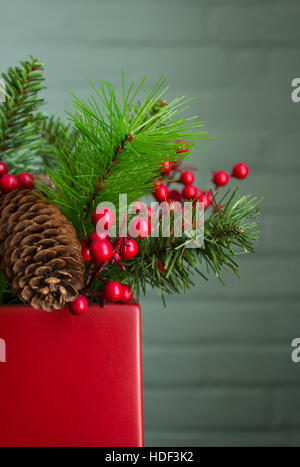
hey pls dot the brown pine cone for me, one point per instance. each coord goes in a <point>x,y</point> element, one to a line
<point>39,251</point>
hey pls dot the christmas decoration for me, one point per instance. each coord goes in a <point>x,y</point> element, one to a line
<point>127,294</point>
<point>3,168</point>
<point>79,306</point>
<point>205,198</point>
<point>39,251</point>
<point>183,146</point>
<point>221,178</point>
<point>161,193</point>
<point>166,167</point>
<point>141,226</point>
<point>8,182</point>
<point>113,291</point>
<point>129,248</point>
<point>175,195</point>
<point>104,220</point>
<point>58,245</point>
<point>28,138</point>
<point>187,178</point>
<point>101,251</point>
<point>25,180</point>
<point>85,251</point>
<point>139,207</point>
<point>98,236</point>
<point>189,192</point>
<point>240,171</point>
<point>149,213</point>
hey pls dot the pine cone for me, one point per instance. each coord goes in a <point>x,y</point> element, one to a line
<point>39,251</point>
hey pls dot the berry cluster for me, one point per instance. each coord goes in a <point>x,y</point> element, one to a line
<point>101,250</point>
<point>113,291</point>
<point>10,182</point>
<point>190,192</point>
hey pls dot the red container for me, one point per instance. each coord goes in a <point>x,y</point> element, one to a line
<point>71,381</point>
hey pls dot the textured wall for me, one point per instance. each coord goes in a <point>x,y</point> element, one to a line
<point>217,366</point>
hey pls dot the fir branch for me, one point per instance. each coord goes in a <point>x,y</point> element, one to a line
<point>167,263</point>
<point>28,137</point>
<point>57,135</point>
<point>19,135</point>
<point>119,148</point>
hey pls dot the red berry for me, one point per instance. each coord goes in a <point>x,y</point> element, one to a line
<point>139,207</point>
<point>104,219</point>
<point>149,212</point>
<point>206,198</point>
<point>175,195</point>
<point>140,227</point>
<point>220,178</point>
<point>98,236</point>
<point>101,251</point>
<point>85,251</point>
<point>183,146</point>
<point>127,294</point>
<point>3,168</point>
<point>189,192</point>
<point>113,291</point>
<point>158,183</point>
<point>240,171</point>
<point>8,182</point>
<point>129,248</point>
<point>79,306</point>
<point>161,193</point>
<point>187,178</point>
<point>25,180</point>
<point>166,167</point>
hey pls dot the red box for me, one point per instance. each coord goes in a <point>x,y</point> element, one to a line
<point>71,380</point>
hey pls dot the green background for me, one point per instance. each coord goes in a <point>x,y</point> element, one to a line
<point>217,366</point>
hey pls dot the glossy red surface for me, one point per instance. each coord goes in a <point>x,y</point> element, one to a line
<point>71,380</point>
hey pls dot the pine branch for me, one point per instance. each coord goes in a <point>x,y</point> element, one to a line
<point>167,263</point>
<point>119,148</point>
<point>28,137</point>
<point>57,135</point>
<point>19,136</point>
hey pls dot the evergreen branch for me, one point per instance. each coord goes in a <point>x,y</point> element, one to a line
<point>56,135</point>
<point>19,135</point>
<point>119,148</point>
<point>28,137</point>
<point>167,263</point>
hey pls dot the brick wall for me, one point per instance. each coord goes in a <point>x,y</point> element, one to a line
<point>217,368</point>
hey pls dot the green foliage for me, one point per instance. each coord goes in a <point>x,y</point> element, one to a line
<point>119,148</point>
<point>227,233</point>
<point>55,134</point>
<point>114,145</point>
<point>28,138</point>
